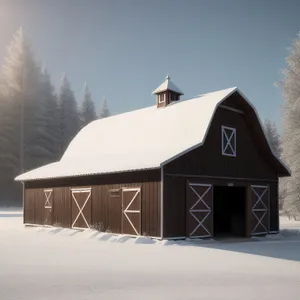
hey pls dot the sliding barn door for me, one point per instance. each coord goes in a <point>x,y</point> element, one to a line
<point>81,208</point>
<point>259,199</point>
<point>199,218</point>
<point>131,203</point>
<point>48,207</point>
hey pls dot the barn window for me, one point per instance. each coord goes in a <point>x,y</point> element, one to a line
<point>228,141</point>
<point>114,193</point>
<point>161,98</point>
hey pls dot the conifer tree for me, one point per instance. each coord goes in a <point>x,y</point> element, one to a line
<point>88,113</point>
<point>50,119</point>
<point>104,110</point>
<point>20,89</point>
<point>273,136</point>
<point>68,115</point>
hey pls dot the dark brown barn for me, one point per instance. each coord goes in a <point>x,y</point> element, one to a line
<point>196,168</point>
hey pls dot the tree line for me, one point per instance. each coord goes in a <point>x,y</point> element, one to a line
<point>37,123</point>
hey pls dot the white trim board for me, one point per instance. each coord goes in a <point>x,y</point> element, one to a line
<point>220,177</point>
<point>231,109</point>
<point>162,203</point>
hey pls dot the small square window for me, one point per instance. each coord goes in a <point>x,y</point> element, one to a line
<point>228,141</point>
<point>161,98</point>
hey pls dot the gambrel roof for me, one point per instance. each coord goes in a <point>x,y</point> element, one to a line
<point>143,139</point>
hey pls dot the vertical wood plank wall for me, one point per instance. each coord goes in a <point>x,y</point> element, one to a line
<point>104,215</point>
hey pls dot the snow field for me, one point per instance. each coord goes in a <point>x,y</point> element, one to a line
<point>54,263</point>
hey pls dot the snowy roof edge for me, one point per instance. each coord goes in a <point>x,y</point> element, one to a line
<point>82,174</point>
<point>261,125</point>
<point>162,163</point>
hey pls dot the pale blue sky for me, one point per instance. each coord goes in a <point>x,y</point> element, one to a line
<point>125,48</point>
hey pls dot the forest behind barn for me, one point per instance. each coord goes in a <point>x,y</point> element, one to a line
<point>37,122</point>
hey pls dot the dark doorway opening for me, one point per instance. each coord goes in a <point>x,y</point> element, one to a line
<point>229,211</point>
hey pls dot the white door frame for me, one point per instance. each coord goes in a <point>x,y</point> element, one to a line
<point>265,210</point>
<point>126,210</point>
<point>47,205</point>
<point>76,191</point>
<point>192,210</point>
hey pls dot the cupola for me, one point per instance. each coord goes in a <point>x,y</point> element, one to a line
<point>166,93</point>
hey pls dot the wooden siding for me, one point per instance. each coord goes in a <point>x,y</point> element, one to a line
<point>274,207</point>
<point>29,206</point>
<point>105,212</point>
<point>174,206</point>
<point>34,206</point>
<point>115,217</point>
<point>62,207</point>
<point>208,159</point>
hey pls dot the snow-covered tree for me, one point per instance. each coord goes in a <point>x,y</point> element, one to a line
<point>68,114</point>
<point>104,110</point>
<point>87,113</point>
<point>291,135</point>
<point>273,136</point>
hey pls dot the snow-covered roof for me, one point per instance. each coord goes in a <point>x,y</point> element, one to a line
<point>167,85</point>
<point>142,139</point>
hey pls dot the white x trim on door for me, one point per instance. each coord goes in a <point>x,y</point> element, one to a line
<point>228,141</point>
<point>88,192</point>
<point>48,195</point>
<point>48,204</point>
<point>264,210</point>
<point>127,210</point>
<point>207,210</point>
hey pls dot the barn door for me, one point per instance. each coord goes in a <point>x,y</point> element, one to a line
<point>260,209</point>
<point>131,204</point>
<point>199,201</point>
<point>81,208</point>
<point>48,209</point>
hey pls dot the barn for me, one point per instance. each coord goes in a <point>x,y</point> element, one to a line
<point>192,168</point>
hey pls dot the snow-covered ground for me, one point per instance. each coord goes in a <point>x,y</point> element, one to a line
<point>47,263</point>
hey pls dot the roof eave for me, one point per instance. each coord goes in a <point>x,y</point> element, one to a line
<point>164,90</point>
<point>83,175</point>
<point>287,169</point>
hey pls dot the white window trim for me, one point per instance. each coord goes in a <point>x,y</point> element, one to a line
<point>227,140</point>
<point>159,98</point>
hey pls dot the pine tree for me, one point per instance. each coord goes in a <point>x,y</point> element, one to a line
<point>68,115</point>
<point>104,110</point>
<point>291,136</point>
<point>273,136</point>
<point>88,113</point>
<point>50,119</point>
<point>20,87</point>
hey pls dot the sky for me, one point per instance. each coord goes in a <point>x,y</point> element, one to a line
<point>124,49</point>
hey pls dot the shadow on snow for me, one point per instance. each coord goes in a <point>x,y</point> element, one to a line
<point>288,249</point>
